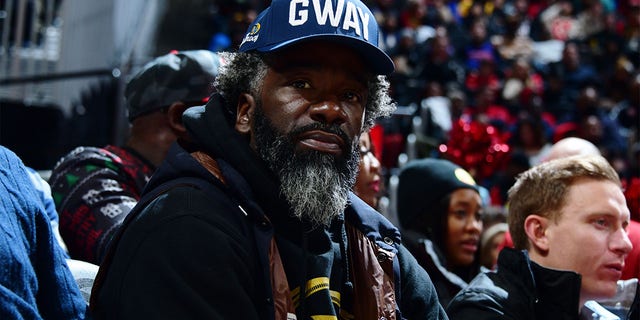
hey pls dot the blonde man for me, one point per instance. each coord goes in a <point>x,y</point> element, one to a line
<point>568,219</point>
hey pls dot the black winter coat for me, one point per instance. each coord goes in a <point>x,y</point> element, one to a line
<point>520,290</point>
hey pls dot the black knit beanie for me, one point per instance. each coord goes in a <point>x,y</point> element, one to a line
<point>423,183</point>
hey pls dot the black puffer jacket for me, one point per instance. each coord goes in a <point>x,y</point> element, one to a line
<point>519,290</point>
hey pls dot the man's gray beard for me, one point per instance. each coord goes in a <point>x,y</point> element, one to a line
<point>316,192</point>
<point>315,184</point>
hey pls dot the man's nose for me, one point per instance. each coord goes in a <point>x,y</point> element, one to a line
<point>328,111</point>
<point>620,242</point>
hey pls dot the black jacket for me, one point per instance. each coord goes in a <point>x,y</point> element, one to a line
<point>520,290</point>
<point>447,283</point>
<point>202,249</point>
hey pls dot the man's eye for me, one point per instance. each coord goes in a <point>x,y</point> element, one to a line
<point>301,84</point>
<point>352,96</point>
<point>601,223</point>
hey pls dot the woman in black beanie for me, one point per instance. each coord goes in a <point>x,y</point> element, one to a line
<point>440,211</point>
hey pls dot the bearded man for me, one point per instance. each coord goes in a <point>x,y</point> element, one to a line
<point>253,217</point>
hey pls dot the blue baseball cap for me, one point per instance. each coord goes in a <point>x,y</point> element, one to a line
<point>287,22</point>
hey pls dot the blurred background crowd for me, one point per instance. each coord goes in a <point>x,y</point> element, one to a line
<point>489,85</point>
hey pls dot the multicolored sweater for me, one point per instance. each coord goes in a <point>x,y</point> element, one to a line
<point>94,189</point>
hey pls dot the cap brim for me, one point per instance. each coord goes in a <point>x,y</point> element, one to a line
<point>379,62</point>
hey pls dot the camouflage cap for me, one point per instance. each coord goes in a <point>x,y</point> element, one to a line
<point>185,76</point>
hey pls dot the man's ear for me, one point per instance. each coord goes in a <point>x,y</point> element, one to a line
<point>244,114</point>
<point>535,227</point>
<point>174,116</point>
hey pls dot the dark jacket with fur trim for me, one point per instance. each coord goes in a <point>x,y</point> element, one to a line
<point>215,241</point>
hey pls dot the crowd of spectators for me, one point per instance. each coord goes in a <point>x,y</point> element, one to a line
<point>513,77</point>
<point>495,83</point>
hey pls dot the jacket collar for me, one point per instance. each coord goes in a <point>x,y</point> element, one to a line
<point>554,291</point>
<point>372,223</point>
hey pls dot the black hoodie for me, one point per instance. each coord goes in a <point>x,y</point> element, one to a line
<point>200,249</point>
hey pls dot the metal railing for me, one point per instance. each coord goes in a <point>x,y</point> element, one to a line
<point>30,40</point>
